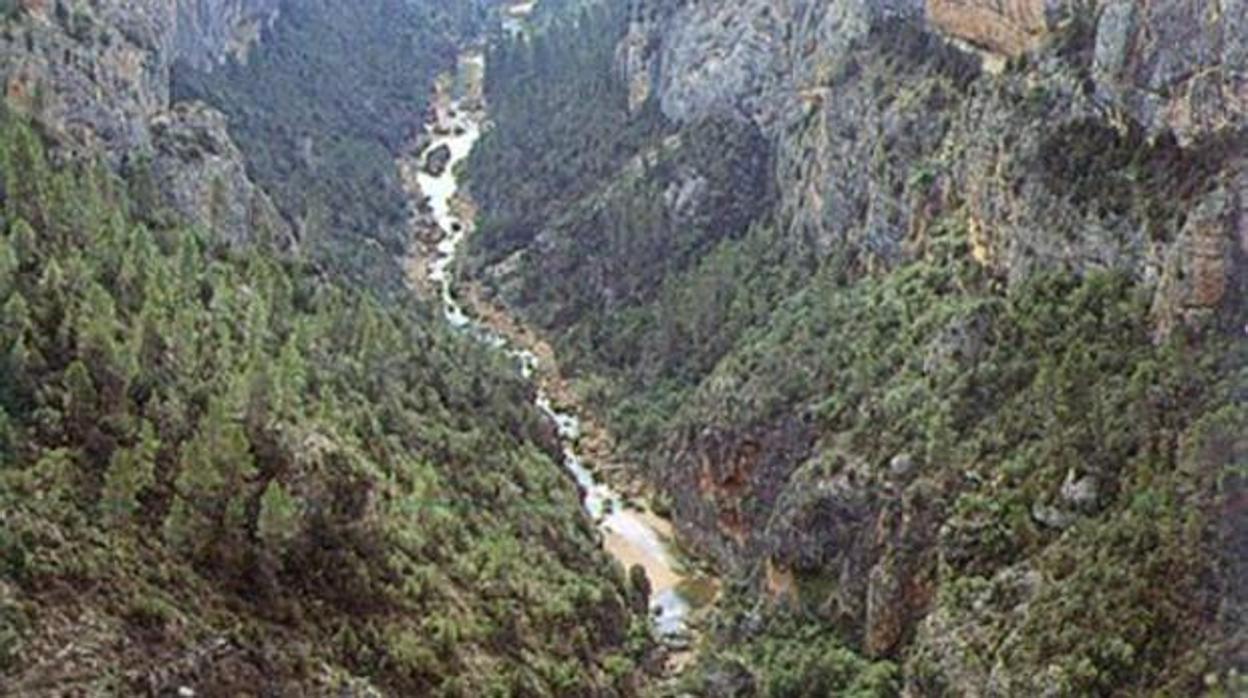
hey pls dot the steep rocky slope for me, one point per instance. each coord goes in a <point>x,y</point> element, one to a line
<point>320,129</point>
<point>143,82</point>
<point>956,378</point>
<point>98,77</point>
<point>224,471</point>
<point>59,60</point>
<point>1167,73</point>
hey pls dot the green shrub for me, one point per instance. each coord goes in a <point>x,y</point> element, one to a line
<point>151,614</point>
<point>249,449</point>
<point>12,625</point>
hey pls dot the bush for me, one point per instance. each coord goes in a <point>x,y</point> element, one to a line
<point>245,441</point>
<point>150,614</point>
<point>12,625</point>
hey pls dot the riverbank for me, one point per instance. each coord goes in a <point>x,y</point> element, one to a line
<point>600,454</point>
<point>444,217</point>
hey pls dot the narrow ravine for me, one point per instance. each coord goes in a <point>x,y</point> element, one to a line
<point>631,535</point>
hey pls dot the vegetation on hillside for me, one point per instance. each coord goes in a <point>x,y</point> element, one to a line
<point>224,470</point>
<point>560,124</point>
<point>1004,401</point>
<point>320,110</point>
<point>566,160</point>
<point>1037,422</point>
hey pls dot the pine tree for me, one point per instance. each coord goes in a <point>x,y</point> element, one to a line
<point>143,190</point>
<point>98,331</point>
<point>80,401</point>
<point>189,269</point>
<point>218,202</point>
<point>134,270</point>
<point>26,194</point>
<point>8,267</point>
<point>211,489</point>
<point>6,439</point>
<point>67,216</point>
<point>18,359</point>
<point>130,471</point>
<point>49,306</point>
<point>55,474</point>
<point>145,370</point>
<point>15,321</point>
<point>289,379</point>
<point>279,521</point>
<point>25,243</point>
<point>257,327</point>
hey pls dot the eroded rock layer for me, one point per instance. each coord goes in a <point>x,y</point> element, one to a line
<point>893,399</point>
<point>97,78</point>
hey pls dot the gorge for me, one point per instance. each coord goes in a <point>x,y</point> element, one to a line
<point>633,536</point>
<point>715,348</point>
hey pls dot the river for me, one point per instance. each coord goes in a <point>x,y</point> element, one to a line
<point>631,535</point>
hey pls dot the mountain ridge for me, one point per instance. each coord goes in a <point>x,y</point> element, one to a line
<point>891,402</point>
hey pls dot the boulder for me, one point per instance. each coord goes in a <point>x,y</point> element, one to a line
<point>436,160</point>
<point>1008,28</point>
<point>1080,494</point>
<point>901,465</point>
<point>1050,516</point>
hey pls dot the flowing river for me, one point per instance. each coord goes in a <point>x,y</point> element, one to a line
<point>632,536</point>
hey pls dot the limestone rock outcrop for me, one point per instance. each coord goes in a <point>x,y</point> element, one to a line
<point>209,32</point>
<point>201,175</point>
<point>97,79</point>
<point>1104,79</point>
<point>98,74</point>
<point>1175,65</point>
<point>1172,64</point>
<point>1009,27</point>
<point>1108,135</point>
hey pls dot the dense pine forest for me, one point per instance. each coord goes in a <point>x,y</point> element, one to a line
<point>232,460</point>
<point>320,113</point>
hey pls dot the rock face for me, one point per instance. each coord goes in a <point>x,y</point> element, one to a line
<point>99,74</point>
<point>97,78</point>
<point>1175,65</point>
<point>747,57</point>
<point>636,57</point>
<point>811,77</point>
<point>716,63</point>
<point>209,32</point>
<point>856,550</point>
<point>92,77</point>
<point>1199,273</point>
<point>1009,27</point>
<point>1112,137</point>
<point>201,174</point>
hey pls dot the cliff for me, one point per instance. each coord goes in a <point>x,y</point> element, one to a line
<point>980,326</point>
<point>97,75</point>
<point>1167,65</point>
<point>1011,27</point>
<point>209,32</point>
<point>98,79</point>
<point>1139,77</point>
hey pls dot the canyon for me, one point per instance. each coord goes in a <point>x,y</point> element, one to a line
<point>691,348</point>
